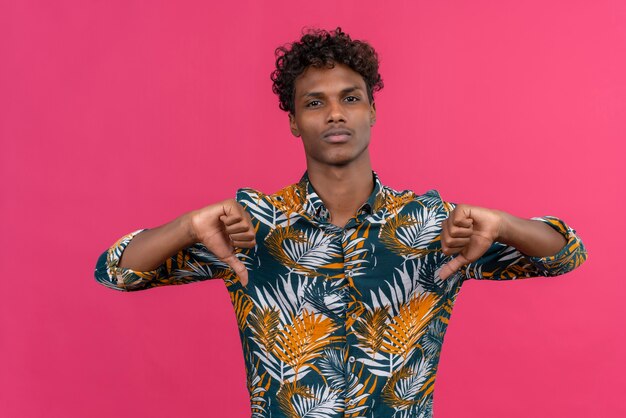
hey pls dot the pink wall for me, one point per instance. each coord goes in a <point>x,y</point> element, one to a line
<point>116,115</point>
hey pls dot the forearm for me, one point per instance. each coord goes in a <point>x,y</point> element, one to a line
<point>530,237</point>
<point>150,248</point>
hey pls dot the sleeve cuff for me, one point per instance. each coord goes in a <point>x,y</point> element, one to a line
<point>125,278</point>
<point>568,258</point>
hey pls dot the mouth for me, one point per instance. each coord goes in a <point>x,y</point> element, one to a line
<point>337,135</point>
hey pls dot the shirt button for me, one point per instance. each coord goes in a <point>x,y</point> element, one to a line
<point>354,316</point>
<point>349,273</point>
<point>350,402</point>
<point>351,359</point>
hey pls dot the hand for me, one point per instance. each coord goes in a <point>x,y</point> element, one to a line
<point>222,227</point>
<point>469,231</point>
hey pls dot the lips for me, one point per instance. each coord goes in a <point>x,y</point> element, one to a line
<point>337,135</point>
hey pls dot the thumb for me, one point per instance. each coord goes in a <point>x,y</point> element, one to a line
<point>240,269</point>
<point>452,266</point>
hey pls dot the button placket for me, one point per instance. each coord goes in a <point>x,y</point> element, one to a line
<point>348,274</point>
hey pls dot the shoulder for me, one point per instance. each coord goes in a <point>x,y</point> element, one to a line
<point>430,199</point>
<point>290,193</point>
<point>272,210</point>
<point>248,194</point>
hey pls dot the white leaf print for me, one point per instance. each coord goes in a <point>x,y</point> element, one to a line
<point>315,250</point>
<point>324,403</point>
<point>283,297</point>
<point>409,387</point>
<point>333,367</point>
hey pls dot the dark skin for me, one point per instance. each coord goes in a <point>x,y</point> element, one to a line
<point>340,171</point>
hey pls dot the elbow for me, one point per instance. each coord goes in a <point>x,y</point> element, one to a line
<point>111,282</point>
<point>576,255</point>
<point>580,255</point>
<point>108,277</point>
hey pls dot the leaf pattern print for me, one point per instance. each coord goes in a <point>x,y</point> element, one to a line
<point>403,388</point>
<point>264,324</point>
<point>342,322</point>
<point>303,252</point>
<point>408,326</point>
<point>243,307</point>
<point>399,235</point>
<point>370,330</point>
<point>300,401</point>
<point>258,386</point>
<point>304,339</point>
<point>326,299</point>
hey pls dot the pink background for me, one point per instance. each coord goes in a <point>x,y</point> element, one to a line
<point>118,115</point>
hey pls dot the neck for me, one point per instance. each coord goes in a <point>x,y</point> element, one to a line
<point>343,189</point>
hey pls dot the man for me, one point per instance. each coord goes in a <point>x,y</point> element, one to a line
<point>342,287</point>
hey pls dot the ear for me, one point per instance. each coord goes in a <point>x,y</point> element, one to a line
<point>293,126</point>
<point>372,114</point>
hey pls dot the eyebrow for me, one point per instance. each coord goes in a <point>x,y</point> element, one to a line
<point>320,94</point>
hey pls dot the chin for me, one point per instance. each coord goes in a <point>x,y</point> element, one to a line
<point>343,159</point>
<point>339,162</point>
<point>339,158</point>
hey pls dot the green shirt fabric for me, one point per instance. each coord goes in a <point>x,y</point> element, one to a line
<point>342,322</point>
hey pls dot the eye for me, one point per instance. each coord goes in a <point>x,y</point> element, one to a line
<point>356,99</point>
<point>311,103</point>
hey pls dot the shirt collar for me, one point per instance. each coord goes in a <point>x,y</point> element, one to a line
<point>313,205</point>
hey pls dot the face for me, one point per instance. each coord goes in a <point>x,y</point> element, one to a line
<point>333,115</point>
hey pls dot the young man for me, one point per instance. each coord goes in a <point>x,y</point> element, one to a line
<point>342,287</point>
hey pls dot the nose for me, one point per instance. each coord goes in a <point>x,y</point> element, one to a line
<point>335,112</point>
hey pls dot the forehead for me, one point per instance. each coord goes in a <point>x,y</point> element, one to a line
<point>327,80</point>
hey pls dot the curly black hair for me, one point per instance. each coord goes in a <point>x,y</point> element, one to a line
<point>321,48</point>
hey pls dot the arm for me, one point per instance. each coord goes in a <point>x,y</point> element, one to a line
<point>495,245</point>
<point>529,236</point>
<point>148,249</point>
<point>196,246</point>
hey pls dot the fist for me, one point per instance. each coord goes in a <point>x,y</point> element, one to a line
<point>222,227</point>
<point>468,232</point>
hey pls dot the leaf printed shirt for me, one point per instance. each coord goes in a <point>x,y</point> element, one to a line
<point>342,322</point>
